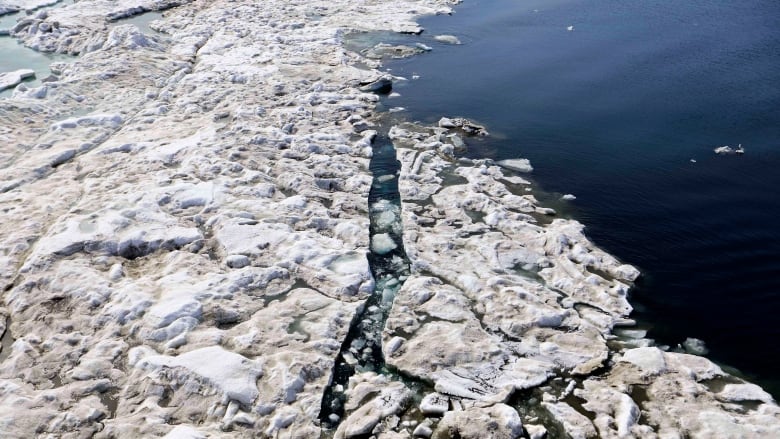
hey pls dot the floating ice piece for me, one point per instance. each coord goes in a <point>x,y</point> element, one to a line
<point>535,431</point>
<point>519,165</point>
<point>570,28</point>
<point>422,430</point>
<point>449,39</point>
<point>380,86</point>
<point>727,150</point>
<point>466,125</point>
<point>10,79</point>
<point>695,346</point>
<point>386,217</point>
<point>724,150</point>
<point>569,197</point>
<point>382,244</point>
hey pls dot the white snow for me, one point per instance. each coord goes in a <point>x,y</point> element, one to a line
<point>232,374</point>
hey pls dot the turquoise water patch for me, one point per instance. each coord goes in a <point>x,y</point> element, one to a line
<point>8,21</point>
<point>142,21</point>
<point>16,56</point>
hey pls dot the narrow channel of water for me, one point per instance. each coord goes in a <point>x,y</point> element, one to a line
<point>362,349</point>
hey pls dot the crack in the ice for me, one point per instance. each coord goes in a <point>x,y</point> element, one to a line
<point>362,348</point>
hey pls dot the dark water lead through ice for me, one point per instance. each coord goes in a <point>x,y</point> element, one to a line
<point>362,348</point>
<point>624,111</point>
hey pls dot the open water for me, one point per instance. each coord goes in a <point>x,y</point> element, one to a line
<point>614,111</point>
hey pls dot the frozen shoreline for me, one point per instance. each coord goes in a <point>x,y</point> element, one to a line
<point>185,218</point>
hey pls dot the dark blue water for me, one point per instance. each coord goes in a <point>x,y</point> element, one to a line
<point>613,112</point>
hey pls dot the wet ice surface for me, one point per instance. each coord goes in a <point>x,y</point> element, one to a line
<point>190,253</point>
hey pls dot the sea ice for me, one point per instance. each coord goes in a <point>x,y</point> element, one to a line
<point>10,79</point>
<point>382,243</point>
<point>232,374</point>
<point>449,39</point>
<point>519,165</point>
<point>649,359</point>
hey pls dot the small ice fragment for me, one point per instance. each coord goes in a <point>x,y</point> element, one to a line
<point>385,178</point>
<point>695,346</point>
<point>387,295</point>
<point>386,220</point>
<point>422,430</point>
<point>570,28</point>
<point>693,160</point>
<point>349,358</point>
<point>382,244</point>
<point>519,165</point>
<point>724,150</point>
<point>535,431</point>
<point>569,197</point>
<point>449,39</point>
